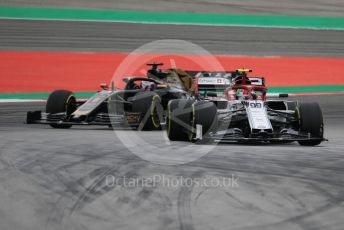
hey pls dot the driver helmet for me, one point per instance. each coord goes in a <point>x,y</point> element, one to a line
<point>253,95</point>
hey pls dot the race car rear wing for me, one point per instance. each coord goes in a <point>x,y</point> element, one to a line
<point>257,81</point>
<point>215,82</point>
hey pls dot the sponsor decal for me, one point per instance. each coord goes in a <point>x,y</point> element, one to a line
<point>213,81</point>
<point>133,118</point>
<point>255,105</point>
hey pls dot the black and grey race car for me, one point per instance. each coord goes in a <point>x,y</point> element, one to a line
<point>242,113</point>
<point>142,104</point>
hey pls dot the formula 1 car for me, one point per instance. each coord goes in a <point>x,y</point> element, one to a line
<point>242,113</point>
<point>142,104</point>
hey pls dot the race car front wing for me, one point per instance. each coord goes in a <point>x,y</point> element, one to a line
<point>102,119</point>
<point>287,135</point>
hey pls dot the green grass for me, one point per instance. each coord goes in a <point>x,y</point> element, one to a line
<point>317,22</point>
<point>307,89</point>
<point>39,95</point>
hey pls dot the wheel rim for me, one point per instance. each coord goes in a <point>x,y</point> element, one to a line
<point>154,111</point>
<point>193,125</point>
<point>70,105</point>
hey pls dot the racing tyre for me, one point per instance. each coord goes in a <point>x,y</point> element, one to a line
<point>204,113</point>
<point>61,101</point>
<point>149,105</point>
<point>178,120</point>
<point>310,121</point>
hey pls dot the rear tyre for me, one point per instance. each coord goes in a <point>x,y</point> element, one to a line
<point>310,121</point>
<point>61,101</point>
<point>148,103</point>
<point>204,113</point>
<point>178,120</point>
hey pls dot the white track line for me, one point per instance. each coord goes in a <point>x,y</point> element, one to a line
<point>172,23</point>
<point>21,100</point>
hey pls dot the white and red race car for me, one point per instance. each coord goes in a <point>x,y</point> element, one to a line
<point>232,107</point>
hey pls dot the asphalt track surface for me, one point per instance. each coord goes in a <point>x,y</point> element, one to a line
<point>264,7</point>
<point>38,35</point>
<point>59,179</point>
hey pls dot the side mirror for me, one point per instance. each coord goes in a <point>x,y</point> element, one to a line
<point>104,86</point>
<point>283,95</point>
<point>161,86</point>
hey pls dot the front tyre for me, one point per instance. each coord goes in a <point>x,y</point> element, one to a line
<point>61,101</point>
<point>147,104</point>
<point>310,121</point>
<point>204,113</point>
<point>178,120</point>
